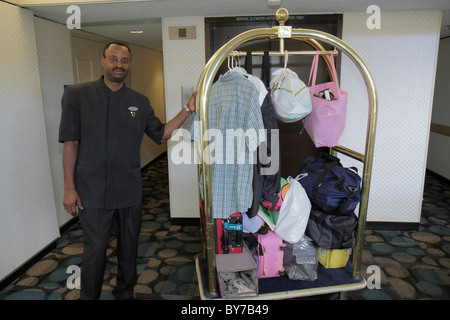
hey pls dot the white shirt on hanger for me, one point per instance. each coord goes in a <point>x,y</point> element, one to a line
<point>256,81</point>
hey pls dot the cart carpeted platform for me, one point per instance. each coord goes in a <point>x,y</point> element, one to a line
<point>328,281</point>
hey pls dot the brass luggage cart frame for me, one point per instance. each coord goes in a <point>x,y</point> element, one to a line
<point>313,38</point>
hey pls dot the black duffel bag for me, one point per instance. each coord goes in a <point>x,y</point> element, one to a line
<point>331,231</point>
<point>329,185</point>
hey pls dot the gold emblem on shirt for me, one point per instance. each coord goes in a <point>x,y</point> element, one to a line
<point>133,110</point>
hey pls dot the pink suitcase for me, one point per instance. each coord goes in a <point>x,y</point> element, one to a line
<point>270,255</point>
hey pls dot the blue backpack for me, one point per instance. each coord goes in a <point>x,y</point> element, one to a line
<point>330,186</point>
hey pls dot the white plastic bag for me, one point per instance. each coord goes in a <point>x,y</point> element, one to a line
<point>290,95</point>
<point>294,212</point>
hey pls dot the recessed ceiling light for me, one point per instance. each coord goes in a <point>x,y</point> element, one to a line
<point>136,31</point>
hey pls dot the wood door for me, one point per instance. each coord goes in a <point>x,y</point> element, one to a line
<point>86,60</point>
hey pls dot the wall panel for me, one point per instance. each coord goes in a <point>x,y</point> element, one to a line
<point>402,58</point>
<point>183,63</point>
<point>27,209</point>
<point>55,68</point>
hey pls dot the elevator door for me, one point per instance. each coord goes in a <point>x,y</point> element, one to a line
<point>295,143</point>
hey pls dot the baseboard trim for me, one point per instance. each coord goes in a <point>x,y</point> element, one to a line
<point>68,224</point>
<point>438,176</point>
<point>375,225</point>
<point>387,225</point>
<point>185,221</point>
<point>154,161</point>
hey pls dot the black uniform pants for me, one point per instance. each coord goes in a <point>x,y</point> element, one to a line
<point>97,225</point>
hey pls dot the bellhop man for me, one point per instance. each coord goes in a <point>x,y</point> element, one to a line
<point>102,126</point>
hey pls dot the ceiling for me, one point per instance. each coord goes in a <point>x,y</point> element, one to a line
<point>115,18</point>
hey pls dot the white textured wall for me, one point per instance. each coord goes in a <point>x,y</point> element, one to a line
<point>402,58</point>
<point>439,147</point>
<point>183,62</point>
<point>27,209</point>
<point>55,68</point>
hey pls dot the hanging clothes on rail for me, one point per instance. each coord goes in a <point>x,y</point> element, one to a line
<point>235,123</point>
<point>260,87</point>
<point>266,175</point>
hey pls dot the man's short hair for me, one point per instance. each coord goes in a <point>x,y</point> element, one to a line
<point>117,43</point>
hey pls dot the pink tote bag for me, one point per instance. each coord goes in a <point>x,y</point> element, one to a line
<point>326,122</point>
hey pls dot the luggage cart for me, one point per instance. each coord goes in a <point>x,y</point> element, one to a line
<point>329,281</point>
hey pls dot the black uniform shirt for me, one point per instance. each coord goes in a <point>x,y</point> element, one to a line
<point>110,127</point>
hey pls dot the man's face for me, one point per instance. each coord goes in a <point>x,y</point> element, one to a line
<point>116,63</point>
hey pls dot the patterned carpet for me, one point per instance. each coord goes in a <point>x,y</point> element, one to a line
<point>414,265</point>
<point>166,254</point>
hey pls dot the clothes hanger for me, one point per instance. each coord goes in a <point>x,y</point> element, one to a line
<point>286,57</point>
<point>234,64</point>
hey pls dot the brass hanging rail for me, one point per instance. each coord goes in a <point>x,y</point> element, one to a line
<point>278,53</point>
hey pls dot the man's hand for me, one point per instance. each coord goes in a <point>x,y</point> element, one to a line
<point>191,102</point>
<point>71,201</point>
<point>71,198</point>
<point>178,120</point>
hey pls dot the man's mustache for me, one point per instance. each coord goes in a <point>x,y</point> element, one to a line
<point>119,69</point>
